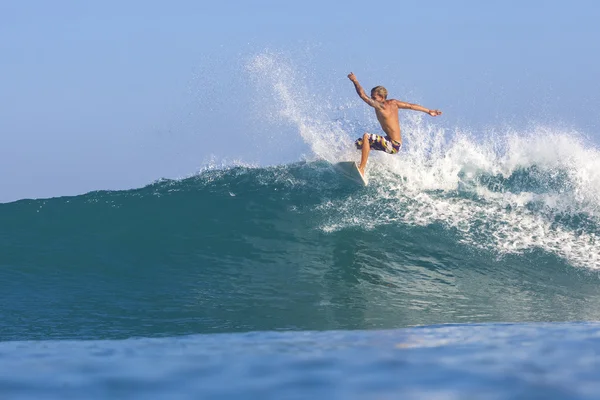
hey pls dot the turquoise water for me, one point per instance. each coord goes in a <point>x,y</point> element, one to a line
<point>282,248</point>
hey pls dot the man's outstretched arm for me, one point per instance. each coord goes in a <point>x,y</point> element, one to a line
<point>417,107</point>
<point>361,91</point>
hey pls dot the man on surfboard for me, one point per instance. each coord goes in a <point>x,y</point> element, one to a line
<point>387,115</point>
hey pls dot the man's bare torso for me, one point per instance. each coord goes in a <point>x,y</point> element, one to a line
<point>387,115</point>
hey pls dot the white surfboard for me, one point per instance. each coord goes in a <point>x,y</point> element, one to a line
<point>350,170</point>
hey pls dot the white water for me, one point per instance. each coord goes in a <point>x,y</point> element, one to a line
<point>420,186</point>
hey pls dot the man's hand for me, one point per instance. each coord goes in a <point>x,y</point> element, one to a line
<point>352,77</point>
<point>434,113</point>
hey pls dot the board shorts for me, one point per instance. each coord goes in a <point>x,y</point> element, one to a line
<point>380,143</point>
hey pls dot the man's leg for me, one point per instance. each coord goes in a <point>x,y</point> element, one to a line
<point>366,147</point>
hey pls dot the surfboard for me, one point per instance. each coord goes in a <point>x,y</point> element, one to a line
<point>350,170</point>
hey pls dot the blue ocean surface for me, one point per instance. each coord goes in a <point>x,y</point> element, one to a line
<point>492,361</point>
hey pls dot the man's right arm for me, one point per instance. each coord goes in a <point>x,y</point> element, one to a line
<point>360,91</point>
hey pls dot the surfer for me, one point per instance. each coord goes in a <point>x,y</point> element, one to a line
<point>387,115</point>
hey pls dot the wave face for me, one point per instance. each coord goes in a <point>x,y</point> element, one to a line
<point>298,246</point>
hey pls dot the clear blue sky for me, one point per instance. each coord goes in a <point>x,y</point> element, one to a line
<point>112,94</point>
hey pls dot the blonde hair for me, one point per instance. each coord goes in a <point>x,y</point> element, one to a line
<point>380,90</point>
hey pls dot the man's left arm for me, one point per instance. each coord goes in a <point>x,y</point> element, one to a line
<point>417,107</point>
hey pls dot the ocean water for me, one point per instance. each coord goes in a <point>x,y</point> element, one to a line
<point>492,361</point>
<point>468,268</point>
<point>295,247</point>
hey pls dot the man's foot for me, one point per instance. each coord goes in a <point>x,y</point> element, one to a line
<point>362,171</point>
